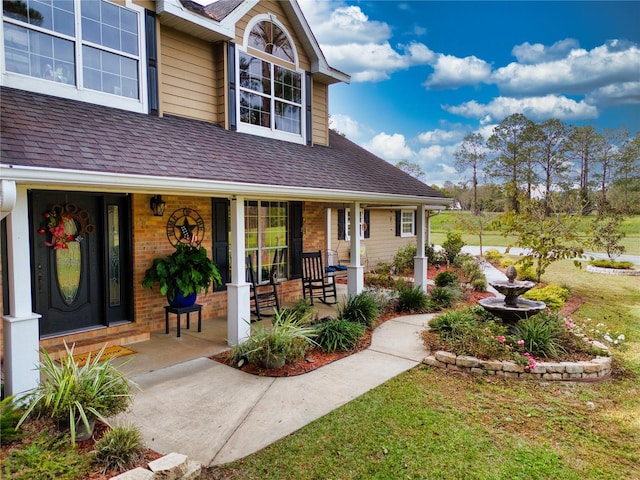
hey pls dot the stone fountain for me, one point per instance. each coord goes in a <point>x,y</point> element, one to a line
<point>511,308</point>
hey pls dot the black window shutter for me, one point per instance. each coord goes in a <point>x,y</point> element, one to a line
<point>220,208</point>
<point>231,74</point>
<point>308,106</point>
<point>152,62</point>
<point>295,239</point>
<point>367,217</point>
<point>341,224</point>
<point>398,223</point>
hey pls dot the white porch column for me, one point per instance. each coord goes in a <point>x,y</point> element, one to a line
<point>420,262</point>
<point>238,293</point>
<point>21,336</point>
<point>355,272</point>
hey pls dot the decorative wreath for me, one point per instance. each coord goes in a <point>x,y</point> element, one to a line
<point>56,222</point>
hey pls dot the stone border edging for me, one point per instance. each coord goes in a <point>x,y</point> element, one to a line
<point>174,466</point>
<point>596,369</point>
<point>614,271</point>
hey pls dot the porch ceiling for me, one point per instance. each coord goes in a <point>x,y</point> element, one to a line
<point>49,141</point>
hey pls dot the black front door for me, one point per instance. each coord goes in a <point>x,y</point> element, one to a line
<point>81,260</point>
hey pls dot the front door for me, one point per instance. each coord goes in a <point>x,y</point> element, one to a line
<point>81,260</point>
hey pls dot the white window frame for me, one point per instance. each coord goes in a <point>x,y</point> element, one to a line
<point>271,131</point>
<point>412,223</point>
<point>347,224</point>
<point>78,92</point>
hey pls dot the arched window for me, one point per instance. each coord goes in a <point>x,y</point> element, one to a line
<point>269,38</point>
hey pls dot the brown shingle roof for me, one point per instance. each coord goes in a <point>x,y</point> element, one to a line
<point>50,132</point>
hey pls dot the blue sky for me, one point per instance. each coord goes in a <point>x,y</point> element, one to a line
<point>425,74</point>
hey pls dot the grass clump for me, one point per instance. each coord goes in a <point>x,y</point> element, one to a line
<point>447,278</point>
<point>287,340</point>
<point>542,334</point>
<point>413,299</point>
<point>444,297</point>
<point>120,448</point>
<point>10,414</point>
<point>363,308</point>
<point>70,394</point>
<point>339,335</point>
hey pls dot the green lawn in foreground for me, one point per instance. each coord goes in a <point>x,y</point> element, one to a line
<point>447,221</point>
<point>425,424</point>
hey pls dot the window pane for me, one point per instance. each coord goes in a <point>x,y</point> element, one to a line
<point>113,239</point>
<point>110,26</point>
<point>114,73</point>
<point>91,10</point>
<point>91,31</point>
<point>111,37</point>
<point>63,21</point>
<point>287,118</point>
<point>287,85</point>
<point>254,109</point>
<point>40,14</point>
<point>38,55</point>
<point>269,38</point>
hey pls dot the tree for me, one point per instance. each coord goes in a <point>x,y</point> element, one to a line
<point>607,234</point>
<point>545,239</point>
<point>608,158</point>
<point>627,171</point>
<point>412,169</point>
<point>510,142</point>
<point>583,147</point>
<point>472,154</point>
<point>551,143</point>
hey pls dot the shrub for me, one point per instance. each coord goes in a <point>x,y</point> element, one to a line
<point>339,335</point>
<point>412,299</point>
<point>479,284</point>
<point>526,272</point>
<point>446,322</point>
<point>542,334</point>
<point>362,308</point>
<point>606,263</point>
<point>10,415</point>
<point>403,259</point>
<point>552,295</point>
<point>493,256</point>
<point>383,268</point>
<point>444,297</point>
<point>381,280</point>
<point>121,448</point>
<point>470,269</point>
<point>302,312</point>
<point>452,246</point>
<point>287,340</point>
<point>73,394</point>
<point>444,279</point>
<point>433,257</point>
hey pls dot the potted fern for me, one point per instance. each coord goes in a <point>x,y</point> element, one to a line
<point>183,274</point>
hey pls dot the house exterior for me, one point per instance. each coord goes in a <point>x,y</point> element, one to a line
<point>219,113</point>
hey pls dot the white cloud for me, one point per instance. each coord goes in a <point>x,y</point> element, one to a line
<point>392,148</point>
<point>528,53</point>
<point>345,24</point>
<point>454,72</point>
<point>345,125</point>
<point>534,108</point>
<point>578,72</point>
<point>627,93</point>
<point>439,135</point>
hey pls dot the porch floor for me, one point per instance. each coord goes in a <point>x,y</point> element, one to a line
<point>163,350</point>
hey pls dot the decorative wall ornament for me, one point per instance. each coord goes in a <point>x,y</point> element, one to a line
<point>185,225</point>
<point>66,223</point>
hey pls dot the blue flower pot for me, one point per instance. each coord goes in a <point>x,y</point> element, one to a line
<point>180,301</point>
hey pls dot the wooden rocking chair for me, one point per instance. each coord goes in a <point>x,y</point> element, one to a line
<point>263,295</point>
<point>315,281</point>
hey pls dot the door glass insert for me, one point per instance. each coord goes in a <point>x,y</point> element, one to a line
<point>69,263</point>
<point>113,240</point>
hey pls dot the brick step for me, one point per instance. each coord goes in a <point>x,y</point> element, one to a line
<point>55,346</point>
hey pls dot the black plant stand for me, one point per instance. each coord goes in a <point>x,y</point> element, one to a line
<point>179,311</point>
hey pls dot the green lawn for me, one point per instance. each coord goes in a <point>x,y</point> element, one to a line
<point>425,424</point>
<point>448,221</point>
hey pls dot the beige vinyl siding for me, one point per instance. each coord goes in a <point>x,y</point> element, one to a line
<point>380,247</point>
<point>187,76</point>
<point>320,113</point>
<point>220,98</point>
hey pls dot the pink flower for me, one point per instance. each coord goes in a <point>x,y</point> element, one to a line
<point>501,338</point>
<point>520,342</point>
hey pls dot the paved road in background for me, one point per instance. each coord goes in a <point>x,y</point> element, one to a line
<point>475,250</point>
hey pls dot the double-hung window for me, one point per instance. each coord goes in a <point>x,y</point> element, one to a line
<point>407,223</point>
<point>270,87</point>
<point>347,225</point>
<point>266,235</point>
<point>89,50</point>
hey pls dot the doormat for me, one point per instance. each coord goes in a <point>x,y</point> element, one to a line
<point>109,352</point>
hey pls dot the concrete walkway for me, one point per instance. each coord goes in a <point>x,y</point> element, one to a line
<point>215,414</point>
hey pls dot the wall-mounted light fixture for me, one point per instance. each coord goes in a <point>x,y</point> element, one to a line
<point>157,205</point>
